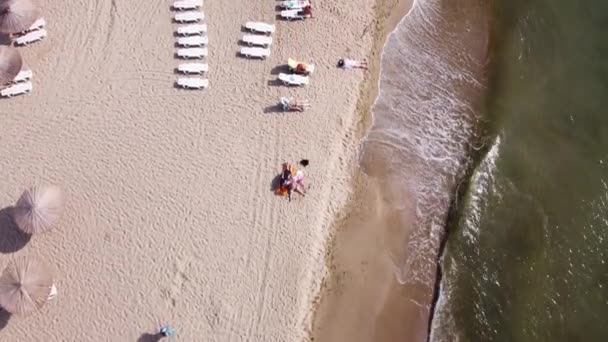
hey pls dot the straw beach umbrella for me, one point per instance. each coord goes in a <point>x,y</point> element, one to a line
<point>25,285</point>
<point>17,15</point>
<point>38,209</point>
<point>10,63</point>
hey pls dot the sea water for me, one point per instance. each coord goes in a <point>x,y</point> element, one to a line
<point>526,257</point>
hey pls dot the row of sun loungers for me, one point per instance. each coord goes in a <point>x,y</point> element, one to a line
<point>33,34</point>
<point>192,43</point>
<point>258,44</point>
<point>17,89</point>
<point>21,84</point>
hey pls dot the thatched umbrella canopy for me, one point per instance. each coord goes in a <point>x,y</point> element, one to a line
<point>38,209</point>
<point>25,285</point>
<point>10,63</point>
<point>17,15</point>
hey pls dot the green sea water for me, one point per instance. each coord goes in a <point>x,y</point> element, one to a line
<point>527,253</point>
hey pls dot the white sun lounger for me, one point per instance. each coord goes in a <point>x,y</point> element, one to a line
<point>52,292</point>
<point>17,89</point>
<point>192,82</point>
<point>192,29</point>
<point>293,79</point>
<point>259,27</point>
<point>193,68</point>
<point>30,37</point>
<point>292,15</point>
<point>194,41</point>
<point>38,24</point>
<point>189,17</point>
<point>187,4</point>
<point>294,4</point>
<point>192,53</point>
<point>255,39</point>
<point>255,52</point>
<point>22,76</point>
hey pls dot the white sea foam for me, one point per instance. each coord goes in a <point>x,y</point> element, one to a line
<point>423,123</point>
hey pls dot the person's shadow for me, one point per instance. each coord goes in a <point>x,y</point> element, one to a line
<point>150,337</point>
<point>12,238</point>
<point>275,183</point>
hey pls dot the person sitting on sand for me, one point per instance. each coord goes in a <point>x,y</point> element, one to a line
<point>286,180</point>
<point>346,63</point>
<point>298,183</point>
<point>286,176</point>
<point>291,180</point>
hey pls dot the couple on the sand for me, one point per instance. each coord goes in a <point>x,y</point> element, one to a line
<point>292,180</point>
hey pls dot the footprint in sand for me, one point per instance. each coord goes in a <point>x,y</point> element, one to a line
<point>177,283</point>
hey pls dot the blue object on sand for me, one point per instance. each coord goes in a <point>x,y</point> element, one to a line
<point>167,330</point>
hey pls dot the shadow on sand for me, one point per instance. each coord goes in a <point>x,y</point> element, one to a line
<point>12,238</point>
<point>150,337</point>
<point>283,68</point>
<point>277,108</point>
<point>5,316</point>
<point>5,39</point>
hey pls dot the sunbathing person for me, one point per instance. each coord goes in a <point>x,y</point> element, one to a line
<point>346,63</point>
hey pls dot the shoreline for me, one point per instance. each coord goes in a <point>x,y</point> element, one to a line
<point>364,299</point>
<point>388,14</point>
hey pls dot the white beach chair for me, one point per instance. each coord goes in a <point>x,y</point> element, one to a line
<point>192,83</point>
<point>189,17</point>
<point>38,24</point>
<point>52,292</point>
<point>17,89</point>
<point>254,39</point>
<point>294,4</point>
<point>255,52</point>
<point>193,68</point>
<point>293,79</point>
<point>192,29</point>
<point>292,15</point>
<point>259,27</point>
<point>182,5</point>
<point>23,75</point>
<point>192,53</point>
<point>193,41</point>
<point>30,37</point>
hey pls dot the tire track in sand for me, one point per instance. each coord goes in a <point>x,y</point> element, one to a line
<point>270,226</point>
<point>256,212</point>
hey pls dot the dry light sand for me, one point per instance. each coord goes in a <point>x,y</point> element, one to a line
<point>169,212</point>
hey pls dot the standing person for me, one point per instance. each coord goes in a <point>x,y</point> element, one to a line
<point>346,63</point>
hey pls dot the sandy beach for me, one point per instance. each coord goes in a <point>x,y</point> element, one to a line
<point>170,215</point>
<point>361,301</point>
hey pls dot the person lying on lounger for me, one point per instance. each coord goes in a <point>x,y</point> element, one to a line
<point>346,63</point>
